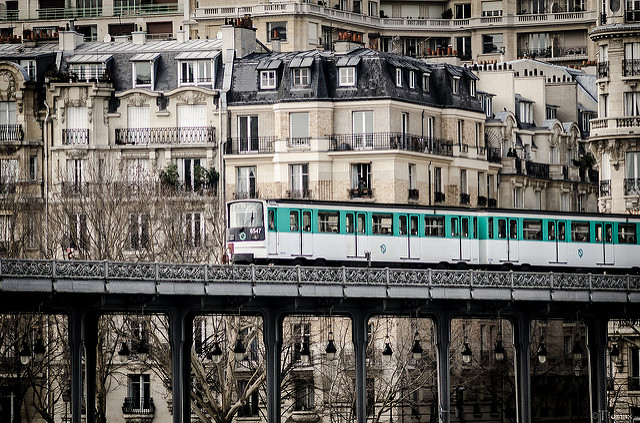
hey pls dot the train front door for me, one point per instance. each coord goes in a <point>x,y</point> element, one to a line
<point>604,236</point>
<point>408,227</point>
<point>556,232</point>
<point>461,242</point>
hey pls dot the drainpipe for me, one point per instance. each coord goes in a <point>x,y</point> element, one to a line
<point>45,176</point>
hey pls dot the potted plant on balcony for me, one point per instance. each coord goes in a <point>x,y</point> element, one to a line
<point>169,178</point>
<point>447,14</point>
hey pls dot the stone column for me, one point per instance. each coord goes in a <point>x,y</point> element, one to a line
<point>522,340</point>
<point>359,325</point>
<point>443,343</point>
<point>272,336</point>
<point>597,345</point>
<point>181,334</point>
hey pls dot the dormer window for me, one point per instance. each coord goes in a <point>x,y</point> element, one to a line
<point>196,67</point>
<point>472,88</point>
<point>412,79</point>
<point>144,70</point>
<point>456,84</point>
<point>87,67</point>
<point>398,77</point>
<point>301,76</point>
<point>425,82</point>
<point>347,76</point>
<point>268,79</point>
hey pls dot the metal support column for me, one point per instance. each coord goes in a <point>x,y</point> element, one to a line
<point>181,335</point>
<point>522,340</point>
<point>443,343</point>
<point>272,335</point>
<point>91,361</point>
<point>359,325</point>
<point>597,333</point>
<point>76,342</point>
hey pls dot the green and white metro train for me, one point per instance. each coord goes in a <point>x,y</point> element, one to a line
<point>340,233</point>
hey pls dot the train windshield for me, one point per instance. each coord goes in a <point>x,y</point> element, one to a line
<point>245,215</point>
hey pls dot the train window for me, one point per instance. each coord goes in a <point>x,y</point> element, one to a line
<point>490,228</point>
<point>293,221</point>
<point>475,227</point>
<point>580,231</point>
<point>272,219</point>
<point>306,221</point>
<point>382,224</point>
<point>465,227</point>
<point>513,229</point>
<point>598,232</point>
<point>455,231</point>
<point>627,233</point>
<point>561,226</point>
<point>502,228</point>
<point>402,230</point>
<point>531,229</point>
<point>414,225</point>
<point>349,227</point>
<point>329,221</point>
<point>434,226</point>
<point>608,232</point>
<point>551,231</point>
<point>362,224</point>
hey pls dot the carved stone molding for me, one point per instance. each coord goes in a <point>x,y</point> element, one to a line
<point>7,86</point>
<point>137,99</point>
<point>191,97</point>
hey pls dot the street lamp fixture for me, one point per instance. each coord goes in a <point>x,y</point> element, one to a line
<point>542,352</point>
<point>239,350</point>
<point>466,353</point>
<point>576,370</point>
<point>331,348</point>
<point>416,350</point>
<point>39,349</point>
<point>143,350</point>
<point>25,354</point>
<point>499,351</point>
<point>387,352</point>
<point>305,354</point>
<point>216,352</point>
<point>124,352</point>
<point>577,351</point>
<point>615,352</point>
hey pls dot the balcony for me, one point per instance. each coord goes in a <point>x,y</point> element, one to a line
<point>391,141</point>
<point>257,145</point>
<point>138,409</point>
<point>438,197</point>
<point>603,69</point>
<point>243,195</point>
<point>549,53</point>
<point>482,201</point>
<point>631,67</point>
<point>465,199</point>
<point>299,194</point>
<point>414,194</point>
<point>183,135</point>
<point>537,170</point>
<point>632,186</point>
<point>11,133</point>
<point>360,193</point>
<point>493,155</point>
<point>605,188</point>
<point>75,136</point>
<point>493,203</point>
<point>59,13</point>
<point>298,142</point>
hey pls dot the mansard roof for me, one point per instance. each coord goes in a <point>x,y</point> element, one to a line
<point>375,79</point>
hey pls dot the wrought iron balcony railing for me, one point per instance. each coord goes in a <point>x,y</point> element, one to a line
<point>243,195</point>
<point>183,135</point>
<point>299,194</point>
<point>414,194</point>
<point>298,142</point>
<point>632,16</point>
<point>465,199</point>
<point>603,69</point>
<point>482,201</point>
<point>493,203</point>
<point>256,145</point>
<point>138,406</point>
<point>391,141</point>
<point>361,193</point>
<point>75,136</point>
<point>538,170</point>
<point>605,188</point>
<point>631,67</point>
<point>632,186</point>
<point>11,132</point>
<point>438,197</point>
<point>493,155</point>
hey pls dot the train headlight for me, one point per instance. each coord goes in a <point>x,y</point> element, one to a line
<point>255,236</point>
<point>232,237</point>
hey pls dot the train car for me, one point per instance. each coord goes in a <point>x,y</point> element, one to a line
<point>313,232</point>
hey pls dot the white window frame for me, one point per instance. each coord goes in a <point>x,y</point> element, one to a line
<point>268,79</point>
<point>299,178</point>
<point>202,73</point>
<point>413,184</point>
<point>299,127</point>
<point>244,182</point>
<point>412,79</point>
<point>455,87</point>
<point>194,229</point>
<point>425,82</point>
<point>134,75</point>
<point>398,77</point>
<point>301,77</point>
<point>472,87</point>
<point>187,171</point>
<point>347,76</point>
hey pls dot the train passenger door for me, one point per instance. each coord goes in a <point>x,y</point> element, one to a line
<point>604,236</point>
<point>408,227</point>
<point>272,233</point>
<point>461,245</point>
<point>303,228</point>
<point>508,231</point>
<point>361,235</point>
<point>350,238</point>
<point>556,232</point>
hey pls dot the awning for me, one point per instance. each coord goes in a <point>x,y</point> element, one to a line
<point>90,58</point>
<point>145,57</point>
<point>269,64</point>
<point>348,61</point>
<point>196,55</point>
<point>301,62</point>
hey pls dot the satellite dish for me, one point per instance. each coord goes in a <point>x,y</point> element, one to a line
<point>219,35</point>
<point>107,38</point>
